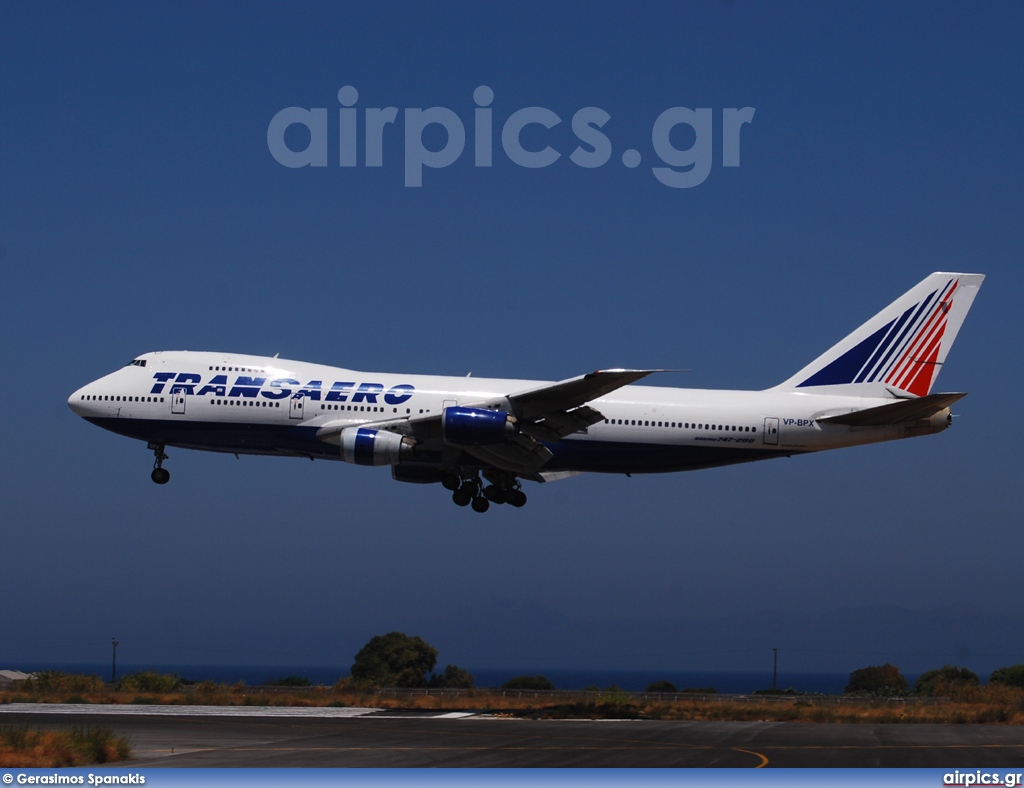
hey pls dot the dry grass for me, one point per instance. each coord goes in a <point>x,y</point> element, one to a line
<point>909,711</point>
<point>989,704</point>
<point>24,747</point>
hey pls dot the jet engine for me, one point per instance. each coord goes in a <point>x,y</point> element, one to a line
<point>476,426</point>
<point>363,446</point>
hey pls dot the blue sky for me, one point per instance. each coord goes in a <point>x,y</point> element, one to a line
<point>141,209</point>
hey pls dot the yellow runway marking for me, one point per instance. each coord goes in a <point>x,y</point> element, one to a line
<point>764,760</point>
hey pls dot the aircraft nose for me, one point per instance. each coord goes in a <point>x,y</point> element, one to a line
<point>77,402</point>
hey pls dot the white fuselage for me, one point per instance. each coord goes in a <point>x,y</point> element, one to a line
<point>257,405</point>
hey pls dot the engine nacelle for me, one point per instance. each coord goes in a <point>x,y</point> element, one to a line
<point>363,446</point>
<point>476,426</point>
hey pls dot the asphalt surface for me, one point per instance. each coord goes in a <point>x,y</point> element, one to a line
<point>395,740</point>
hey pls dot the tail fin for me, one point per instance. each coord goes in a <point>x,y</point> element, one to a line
<point>901,349</point>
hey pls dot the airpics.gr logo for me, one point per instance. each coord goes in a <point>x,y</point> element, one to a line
<point>683,169</point>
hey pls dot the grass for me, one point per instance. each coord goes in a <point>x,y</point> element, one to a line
<point>806,711</point>
<point>21,746</point>
<point>991,704</point>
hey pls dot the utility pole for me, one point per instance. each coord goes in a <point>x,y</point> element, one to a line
<point>775,669</point>
<point>113,667</point>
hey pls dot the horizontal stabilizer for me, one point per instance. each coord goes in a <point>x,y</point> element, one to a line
<point>896,412</point>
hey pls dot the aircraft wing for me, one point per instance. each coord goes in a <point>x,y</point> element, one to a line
<point>896,412</point>
<point>545,413</point>
<point>568,394</point>
<point>553,411</point>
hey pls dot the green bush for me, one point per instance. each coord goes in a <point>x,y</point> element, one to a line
<point>394,660</point>
<point>877,680</point>
<point>99,745</point>
<point>1012,676</point>
<point>453,677</point>
<point>943,680</point>
<point>661,686</point>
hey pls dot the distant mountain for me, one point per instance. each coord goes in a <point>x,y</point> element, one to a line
<point>503,632</point>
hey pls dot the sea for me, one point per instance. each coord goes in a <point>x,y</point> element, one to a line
<point>723,682</point>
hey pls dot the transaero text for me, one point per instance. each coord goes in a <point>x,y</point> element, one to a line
<point>280,388</point>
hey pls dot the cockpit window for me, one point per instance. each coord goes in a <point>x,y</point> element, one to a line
<point>138,362</point>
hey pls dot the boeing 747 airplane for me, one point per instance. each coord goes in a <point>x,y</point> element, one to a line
<point>480,437</point>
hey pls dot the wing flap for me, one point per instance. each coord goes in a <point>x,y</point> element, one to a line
<point>556,425</point>
<point>520,455</point>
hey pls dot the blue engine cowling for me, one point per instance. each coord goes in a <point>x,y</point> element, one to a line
<point>475,426</point>
<point>363,446</point>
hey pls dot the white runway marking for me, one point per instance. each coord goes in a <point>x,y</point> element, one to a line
<point>454,715</point>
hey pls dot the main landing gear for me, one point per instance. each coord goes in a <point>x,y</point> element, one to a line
<point>159,475</point>
<point>470,490</point>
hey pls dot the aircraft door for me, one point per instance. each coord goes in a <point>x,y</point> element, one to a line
<point>178,402</point>
<point>771,431</point>
<point>297,407</point>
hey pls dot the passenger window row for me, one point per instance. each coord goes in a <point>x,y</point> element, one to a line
<point>236,369</point>
<point>372,408</point>
<point>250,403</point>
<point>116,398</point>
<point>680,425</point>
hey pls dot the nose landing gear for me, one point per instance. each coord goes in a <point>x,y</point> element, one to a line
<point>159,475</point>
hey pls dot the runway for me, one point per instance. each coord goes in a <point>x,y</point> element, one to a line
<point>288,737</point>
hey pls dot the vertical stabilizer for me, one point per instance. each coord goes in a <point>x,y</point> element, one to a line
<point>901,349</point>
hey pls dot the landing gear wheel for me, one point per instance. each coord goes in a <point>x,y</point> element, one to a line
<point>517,498</point>
<point>481,504</point>
<point>495,494</point>
<point>159,475</point>
<point>462,496</point>
<point>451,481</point>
